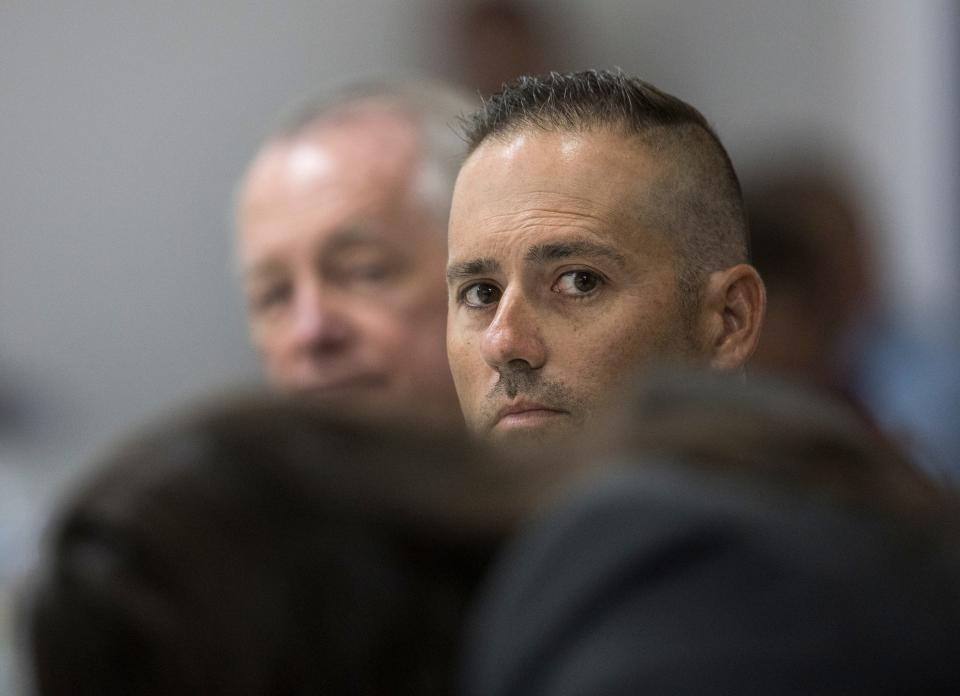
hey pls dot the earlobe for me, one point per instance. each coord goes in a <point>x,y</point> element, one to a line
<point>735,300</point>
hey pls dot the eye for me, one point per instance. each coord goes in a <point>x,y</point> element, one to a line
<point>577,283</point>
<point>480,295</point>
<point>369,273</point>
<point>363,266</point>
<point>269,298</point>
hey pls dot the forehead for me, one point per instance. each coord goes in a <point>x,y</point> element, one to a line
<point>533,184</point>
<point>374,151</point>
<point>355,171</point>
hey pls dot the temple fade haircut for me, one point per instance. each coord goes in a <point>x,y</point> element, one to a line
<point>695,201</point>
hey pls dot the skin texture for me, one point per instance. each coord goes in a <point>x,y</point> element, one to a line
<point>342,264</point>
<point>559,290</point>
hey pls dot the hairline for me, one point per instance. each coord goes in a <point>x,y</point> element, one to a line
<point>428,107</point>
<point>690,276</point>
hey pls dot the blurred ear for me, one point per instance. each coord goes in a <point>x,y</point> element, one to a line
<point>733,306</point>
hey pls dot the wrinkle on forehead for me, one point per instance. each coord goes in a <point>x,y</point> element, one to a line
<point>519,215</point>
<point>553,217</point>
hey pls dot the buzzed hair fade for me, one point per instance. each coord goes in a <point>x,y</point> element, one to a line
<point>696,201</point>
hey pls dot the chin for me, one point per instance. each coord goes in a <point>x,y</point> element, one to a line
<point>538,439</point>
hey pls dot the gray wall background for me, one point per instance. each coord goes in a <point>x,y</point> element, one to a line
<point>124,126</point>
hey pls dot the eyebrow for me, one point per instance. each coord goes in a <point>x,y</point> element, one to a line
<point>262,272</point>
<point>344,238</point>
<point>351,236</point>
<point>543,253</point>
<point>474,267</point>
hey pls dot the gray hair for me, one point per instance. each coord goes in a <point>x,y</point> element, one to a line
<point>434,109</point>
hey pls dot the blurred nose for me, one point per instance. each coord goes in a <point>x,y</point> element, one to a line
<point>513,337</point>
<point>319,322</point>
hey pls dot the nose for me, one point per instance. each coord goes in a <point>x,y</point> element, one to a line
<point>513,337</point>
<point>319,321</point>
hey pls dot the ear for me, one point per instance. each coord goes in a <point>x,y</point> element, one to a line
<point>733,305</point>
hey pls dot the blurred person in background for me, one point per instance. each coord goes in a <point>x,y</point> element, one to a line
<point>342,218</point>
<point>824,326</point>
<point>261,548</point>
<point>496,41</point>
<point>597,226</point>
<point>808,242</point>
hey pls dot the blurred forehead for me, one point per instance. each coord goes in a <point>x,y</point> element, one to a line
<point>355,172</point>
<point>369,148</point>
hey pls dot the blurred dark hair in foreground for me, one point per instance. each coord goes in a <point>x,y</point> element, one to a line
<point>262,548</point>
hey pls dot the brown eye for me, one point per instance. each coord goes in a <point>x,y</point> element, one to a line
<point>481,295</point>
<point>577,283</point>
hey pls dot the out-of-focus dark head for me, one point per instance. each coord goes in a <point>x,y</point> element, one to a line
<point>265,549</point>
<point>498,40</point>
<point>809,245</point>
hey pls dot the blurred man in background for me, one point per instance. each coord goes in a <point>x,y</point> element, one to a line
<point>342,218</point>
<point>806,235</point>
<point>496,41</point>
<point>809,233</point>
<point>597,226</point>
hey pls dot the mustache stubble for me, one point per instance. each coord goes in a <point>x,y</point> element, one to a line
<point>523,381</point>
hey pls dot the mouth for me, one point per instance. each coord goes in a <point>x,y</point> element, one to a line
<point>527,414</point>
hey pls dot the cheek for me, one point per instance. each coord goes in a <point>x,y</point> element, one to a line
<point>655,334</point>
<point>588,357</point>
<point>598,355</point>
<point>463,356</point>
<point>419,298</point>
<point>269,339</point>
<point>410,338</point>
<point>391,334</point>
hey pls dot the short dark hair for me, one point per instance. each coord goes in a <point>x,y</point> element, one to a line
<point>697,203</point>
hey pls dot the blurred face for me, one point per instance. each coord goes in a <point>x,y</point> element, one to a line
<point>557,290</point>
<point>343,270</point>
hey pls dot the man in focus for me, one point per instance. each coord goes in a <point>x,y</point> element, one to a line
<point>597,226</point>
<point>342,218</point>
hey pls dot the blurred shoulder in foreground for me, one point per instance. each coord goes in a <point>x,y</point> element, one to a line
<point>750,539</point>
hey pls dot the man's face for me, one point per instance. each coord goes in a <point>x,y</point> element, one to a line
<point>343,270</point>
<point>557,289</point>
